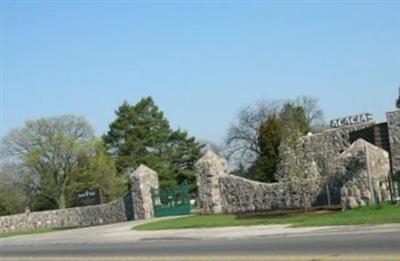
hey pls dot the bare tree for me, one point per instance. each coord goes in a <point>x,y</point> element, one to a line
<point>241,142</point>
<point>314,114</point>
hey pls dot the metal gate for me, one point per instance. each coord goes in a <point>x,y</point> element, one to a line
<point>395,187</point>
<point>171,202</point>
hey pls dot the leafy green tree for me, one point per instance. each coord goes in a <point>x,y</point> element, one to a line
<point>12,197</point>
<point>142,135</point>
<point>49,154</point>
<point>96,169</point>
<point>7,205</point>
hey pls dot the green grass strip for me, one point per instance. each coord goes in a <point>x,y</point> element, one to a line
<point>383,214</point>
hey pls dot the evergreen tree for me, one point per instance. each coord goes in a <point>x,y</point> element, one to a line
<point>269,139</point>
<point>291,122</point>
<point>294,120</point>
<point>142,135</point>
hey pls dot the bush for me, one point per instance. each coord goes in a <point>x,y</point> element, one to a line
<point>41,203</point>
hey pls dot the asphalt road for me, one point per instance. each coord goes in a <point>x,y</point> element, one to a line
<point>343,244</point>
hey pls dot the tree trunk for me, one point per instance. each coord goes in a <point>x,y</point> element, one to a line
<point>61,201</point>
<point>328,195</point>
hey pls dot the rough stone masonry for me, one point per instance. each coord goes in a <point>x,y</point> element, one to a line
<point>209,169</point>
<point>112,212</point>
<point>136,205</point>
<point>143,180</point>
<point>220,192</point>
<point>364,169</point>
<point>393,121</point>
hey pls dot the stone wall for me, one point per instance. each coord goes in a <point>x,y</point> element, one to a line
<point>330,143</point>
<point>359,187</point>
<point>137,204</point>
<point>243,195</point>
<point>220,192</point>
<point>113,212</point>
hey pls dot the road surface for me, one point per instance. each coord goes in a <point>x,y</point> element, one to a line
<point>119,242</point>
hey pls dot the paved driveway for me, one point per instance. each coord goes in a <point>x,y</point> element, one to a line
<point>278,242</point>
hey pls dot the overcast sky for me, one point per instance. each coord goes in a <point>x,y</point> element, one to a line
<point>199,61</point>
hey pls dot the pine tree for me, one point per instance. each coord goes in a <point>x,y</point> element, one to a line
<point>142,135</point>
<point>269,139</point>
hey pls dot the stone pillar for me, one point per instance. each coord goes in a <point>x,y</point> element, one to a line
<point>209,169</point>
<point>143,180</point>
<point>364,168</point>
<point>393,122</point>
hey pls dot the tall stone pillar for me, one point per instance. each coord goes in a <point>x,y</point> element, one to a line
<point>393,122</point>
<point>143,180</point>
<point>209,169</point>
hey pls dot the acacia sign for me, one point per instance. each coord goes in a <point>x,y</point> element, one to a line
<point>351,120</point>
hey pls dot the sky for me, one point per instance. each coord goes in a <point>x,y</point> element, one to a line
<point>200,61</point>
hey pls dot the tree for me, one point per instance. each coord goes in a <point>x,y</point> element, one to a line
<point>294,120</point>
<point>313,113</point>
<point>242,141</point>
<point>142,135</point>
<point>47,154</point>
<point>6,203</point>
<point>252,143</point>
<point>96,169</point>
<point>10,202</point>
<point>270,136</point>
<point>12,195</point>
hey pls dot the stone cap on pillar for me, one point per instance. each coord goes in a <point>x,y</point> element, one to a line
<point>213,160</point>
<point>378,158</point>
<point>142,171</point>
<point>359,146</point>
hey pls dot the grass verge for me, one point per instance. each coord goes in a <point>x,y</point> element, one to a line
<point>383,214</point>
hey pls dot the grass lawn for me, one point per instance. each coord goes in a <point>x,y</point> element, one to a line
<point>365,215</point>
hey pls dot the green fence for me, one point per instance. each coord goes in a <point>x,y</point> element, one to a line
<point>171,202</point>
